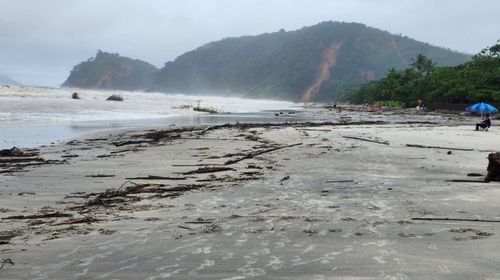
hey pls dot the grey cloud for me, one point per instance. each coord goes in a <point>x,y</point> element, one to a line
<point>42,40</point>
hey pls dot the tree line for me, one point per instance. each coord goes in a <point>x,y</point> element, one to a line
<point>477,80</point>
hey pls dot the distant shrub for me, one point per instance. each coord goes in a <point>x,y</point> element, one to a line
<point>209,110</point>
<point>75,95</point>
<point>115,97</point>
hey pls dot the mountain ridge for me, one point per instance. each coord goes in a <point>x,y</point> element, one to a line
<point>287,64</point>
<point>112,71</point>
<point>314,63</point>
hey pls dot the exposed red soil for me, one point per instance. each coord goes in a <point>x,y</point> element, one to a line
<point>328,59</point>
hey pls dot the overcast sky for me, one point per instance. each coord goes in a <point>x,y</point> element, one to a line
<point>41,40</point>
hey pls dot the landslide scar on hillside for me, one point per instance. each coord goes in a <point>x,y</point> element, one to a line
<point>328,59</point>
<point>106,80</point>
<point>396,48</point>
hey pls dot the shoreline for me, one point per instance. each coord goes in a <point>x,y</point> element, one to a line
<point>246,201</point>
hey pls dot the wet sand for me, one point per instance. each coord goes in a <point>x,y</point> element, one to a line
<point>304,201</point>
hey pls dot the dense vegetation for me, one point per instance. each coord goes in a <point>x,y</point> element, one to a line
<point>285,64</point>
<point>112,71</point>
<point>477,80</point>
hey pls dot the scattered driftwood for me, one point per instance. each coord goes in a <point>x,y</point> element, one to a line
<point>184,227</point>
<point>367,140</point>
<point>100,175</point>
<point>96,139</point>
<point>197,164</point>
<point>83,220</point>
<point>438,147</point>
<point>6,236</point>
<point>174,133</point>
<point>69,156</point>
<point>312,129</point>
<point>340,181</point>
<point>493,167</point>
<point>200,221</point>
<point>104,197</point>
<point>123,151</point>
<point>122,193</point>
<point>284,178</point>
<point>39,216</point>
<point>465,181</point>
<point>208,169</point>
<point>6,261</point>
<point>9,160</point>
<point>15,152</point>
<point>153,177</point>
<point>131,142</point>
<point>187,187</point>
<point>457,220</point>
<point>256,153</point>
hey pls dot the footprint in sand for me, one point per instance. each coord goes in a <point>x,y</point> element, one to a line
<point>433,246</point>
<point>309,248</point>
<point>275,263</point>
<point>444,269</point>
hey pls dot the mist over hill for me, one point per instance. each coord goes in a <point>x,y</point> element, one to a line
<point>4,80</point>
<point>314,63</point>
<point>112,71</point>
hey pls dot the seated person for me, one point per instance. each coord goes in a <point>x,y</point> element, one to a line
<point>485,124</point>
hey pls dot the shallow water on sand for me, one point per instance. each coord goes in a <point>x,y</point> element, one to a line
<point>32,117</point>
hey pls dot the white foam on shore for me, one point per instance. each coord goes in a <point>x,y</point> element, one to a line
<point>26,104</point>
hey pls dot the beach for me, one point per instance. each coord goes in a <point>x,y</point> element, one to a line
<point>348,194</point>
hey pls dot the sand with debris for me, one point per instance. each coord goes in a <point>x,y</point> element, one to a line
<point>291,201</point>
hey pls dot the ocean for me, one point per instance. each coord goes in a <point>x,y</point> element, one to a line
<point>33,116</point>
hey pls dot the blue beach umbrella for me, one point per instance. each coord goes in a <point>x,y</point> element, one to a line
<point>482,107</point>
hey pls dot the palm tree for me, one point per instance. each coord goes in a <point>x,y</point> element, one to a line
<point>422,64</point>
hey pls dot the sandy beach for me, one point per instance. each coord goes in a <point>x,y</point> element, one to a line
<point>351,195</point>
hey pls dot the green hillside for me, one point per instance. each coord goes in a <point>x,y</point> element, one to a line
<point>477,80</point>
<point>313,63</point>
<point>112,71</point>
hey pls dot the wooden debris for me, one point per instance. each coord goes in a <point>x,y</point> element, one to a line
<point>438,147</point>
<point>208,169</point>
<point>39,216</point>
<point>69,156</point>
<point>83,220</point>
<point>123,151</point>
<point>6,261</point>
<point>465,181</point>
<point>256,153</point>
<point>197,164</point>
<point>15,152</point>
<point>367,140</point>
<point>184,227</point>
<point>100,175</point>
<point>340,181</point>
<point>456,219</point>
<point>131,142</point>
<point>284,179</point>
<point>153,177</point>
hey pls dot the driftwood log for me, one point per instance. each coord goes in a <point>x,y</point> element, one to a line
<point>493,167</point>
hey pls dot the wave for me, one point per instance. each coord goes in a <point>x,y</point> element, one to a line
<point>35,104</point>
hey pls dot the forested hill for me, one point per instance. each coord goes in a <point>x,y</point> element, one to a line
<point>312,63</point>
<point>112,71</point>
<point>477,80</point>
